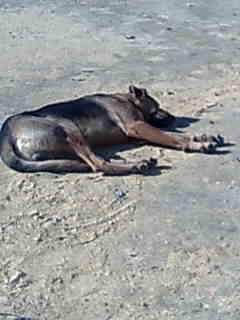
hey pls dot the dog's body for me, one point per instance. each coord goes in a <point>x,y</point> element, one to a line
<point>59,137</point>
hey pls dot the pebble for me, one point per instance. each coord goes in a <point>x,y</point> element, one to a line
<point>38,238</point>
<point>8,198</point>
<point>79,79</point>
<point>33,213</point>
<point>130,37</point>
<point>119,194</point>
<point>190,4</point>
<point>16,278</point>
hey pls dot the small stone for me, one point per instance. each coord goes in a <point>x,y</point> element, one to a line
<point>133,254</point>
<point>88,71</point>
<point>145,305</point>
<point>130,37</point>
<point>38,238</point>
<point>16,278</point>
<point>119,194</point>
<point>33,213</point>
<point>190,4</point>
<point>206,306</point>
<point>79,79</point>
<point>20,183</point>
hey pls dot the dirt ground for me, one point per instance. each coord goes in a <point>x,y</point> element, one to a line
<point>160,246</point>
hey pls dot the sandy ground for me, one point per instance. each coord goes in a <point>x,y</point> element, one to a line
<point>160,246</point>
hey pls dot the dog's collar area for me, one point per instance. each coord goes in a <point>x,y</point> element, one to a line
<point>133,101</point>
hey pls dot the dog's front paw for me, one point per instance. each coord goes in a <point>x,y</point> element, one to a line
<point>208,147</point>
<point>205,143</point>
<point>216,140</point>
<point>219,140</point>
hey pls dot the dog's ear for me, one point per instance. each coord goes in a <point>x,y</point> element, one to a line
<point>137,93</point>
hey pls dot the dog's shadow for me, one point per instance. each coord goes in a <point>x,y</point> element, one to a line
<point>181,123</point>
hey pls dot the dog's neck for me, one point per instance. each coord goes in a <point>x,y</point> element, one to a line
<point>126,97</point>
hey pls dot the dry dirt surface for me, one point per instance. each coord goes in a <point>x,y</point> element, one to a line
<point>161,246</point>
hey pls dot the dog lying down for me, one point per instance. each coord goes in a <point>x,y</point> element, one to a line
<point>60,137</point>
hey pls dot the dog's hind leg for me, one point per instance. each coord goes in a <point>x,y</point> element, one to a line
<point>16,162</point>
<point>83,151</point>
<point>53,166</point>
<point>144,131</point>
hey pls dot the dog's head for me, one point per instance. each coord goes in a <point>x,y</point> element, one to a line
<point>150,108</point>
<point>142,100</point>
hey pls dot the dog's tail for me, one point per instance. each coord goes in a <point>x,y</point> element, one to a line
<point>12,159</point>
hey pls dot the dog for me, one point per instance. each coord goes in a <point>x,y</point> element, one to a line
<point>59,137</point>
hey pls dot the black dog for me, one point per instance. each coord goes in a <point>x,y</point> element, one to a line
<point>59,137</point>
